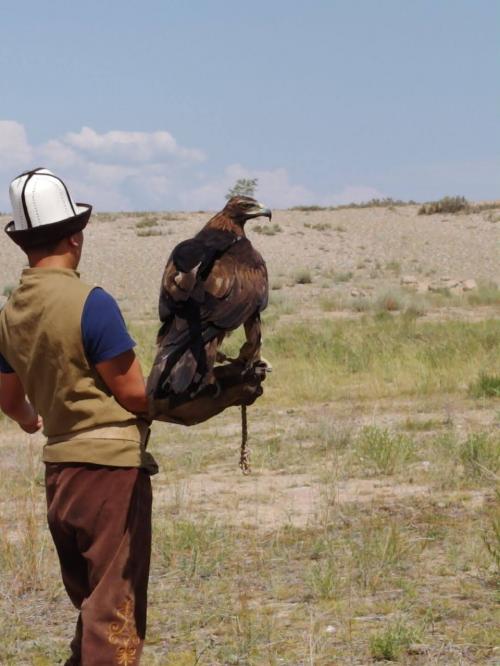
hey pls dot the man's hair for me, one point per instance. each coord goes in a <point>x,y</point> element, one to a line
<point>46,248</point>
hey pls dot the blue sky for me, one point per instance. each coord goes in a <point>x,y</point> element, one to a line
<point>163,105</point>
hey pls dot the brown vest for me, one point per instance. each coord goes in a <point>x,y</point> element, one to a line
<point>41,339</point>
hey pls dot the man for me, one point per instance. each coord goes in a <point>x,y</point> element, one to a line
<point>64,345</point>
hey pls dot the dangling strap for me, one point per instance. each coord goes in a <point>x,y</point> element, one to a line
<point>244,452</point>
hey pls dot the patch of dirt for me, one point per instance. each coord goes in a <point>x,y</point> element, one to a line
<point>268,499</point>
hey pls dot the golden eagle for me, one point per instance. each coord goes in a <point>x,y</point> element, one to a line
<point>212,284</point>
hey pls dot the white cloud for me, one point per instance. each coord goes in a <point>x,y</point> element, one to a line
<point>15,150</point>
<point>120,170</point>
<point>131,146</point>
<point>274,189</point>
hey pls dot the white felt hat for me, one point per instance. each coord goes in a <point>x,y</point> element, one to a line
<point>43,210</point>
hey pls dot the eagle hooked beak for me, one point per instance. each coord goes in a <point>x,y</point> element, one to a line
<point>258,211</point>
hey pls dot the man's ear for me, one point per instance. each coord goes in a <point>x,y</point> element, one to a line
<point>75,240</point>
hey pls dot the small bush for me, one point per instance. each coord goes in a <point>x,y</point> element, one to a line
<point>309,209</point>
<point>343,277</point>
<point>322,226</point>
<point>486,386</point>
<point>362,304</point>
<point>491,534</point>
<point>378,552</point>
<point>106,217</point>
<point>480,455</point>
<point>148,232</point>
<point>323,579</point>
<point>267,230</point>
<point>385,451</point>
<point>303,276</point>
<point>331,303</point>
<point>390,302</point>
<point>146,223</point>
<point>393,266</point>
<point>487,293</point>
<point>391,643</point>
<point>445,205</point>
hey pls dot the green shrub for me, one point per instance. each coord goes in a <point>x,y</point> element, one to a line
<point>486,386</point>
<point>309,209</point>
<point>148,232</point>
<point>321,226</point>
<point>487,293</point>
<point>491,534</point>
<point>146,223</point>
<point>392,642</point>
<point>445,205</point>
<point>378,551</point>
<point>343,277</point>
<point>480,455</point>
<point>268,229</point>
<point>302,276</point>
<point>383,450</point>
<point>323,579</point>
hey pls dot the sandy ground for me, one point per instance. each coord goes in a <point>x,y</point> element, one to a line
<point>377,245</point>
<point>199,483</point>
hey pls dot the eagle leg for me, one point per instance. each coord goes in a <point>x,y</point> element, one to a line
<point>250,350</point>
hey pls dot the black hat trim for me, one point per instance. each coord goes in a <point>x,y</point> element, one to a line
<point>28,239</point>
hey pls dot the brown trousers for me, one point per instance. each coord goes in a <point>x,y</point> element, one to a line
<point>100,520</point>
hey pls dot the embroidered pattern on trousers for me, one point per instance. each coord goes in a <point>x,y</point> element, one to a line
<point>124,635</point>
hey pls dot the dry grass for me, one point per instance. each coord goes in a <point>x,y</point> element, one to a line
<point>369,528</point>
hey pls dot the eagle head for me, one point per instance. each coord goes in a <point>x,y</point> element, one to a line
<point>240,209</point>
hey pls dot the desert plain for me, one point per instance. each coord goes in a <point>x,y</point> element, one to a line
<point>369,528</point>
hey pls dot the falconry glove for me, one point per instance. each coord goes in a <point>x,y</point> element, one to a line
<point>234,386</point>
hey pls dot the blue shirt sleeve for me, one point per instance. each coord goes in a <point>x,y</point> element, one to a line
<point>104,333</point>
<point>4,366</point>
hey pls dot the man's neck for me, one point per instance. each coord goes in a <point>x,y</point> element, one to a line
<point>53,261</point>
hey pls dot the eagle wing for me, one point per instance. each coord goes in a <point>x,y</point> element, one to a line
<point>212,284</point>
<point>236,287</point>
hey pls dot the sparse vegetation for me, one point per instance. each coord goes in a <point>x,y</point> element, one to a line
<point>392,642</point>
<point>369,529</point>
<point>445,205</point>
<point>142,233</point>
<point>390,301</point>
<point>343,277</point>
<point>146,223</point>
<point>486,386</point>
<point>383,450</point>
<point>268,229</point>
<point>487,293</point>
<point>372,203</point>
<point>491,534</point>
<point>320,226</point>
<point>480,456</point>
<point>303,276</point>
<point>393,266</point>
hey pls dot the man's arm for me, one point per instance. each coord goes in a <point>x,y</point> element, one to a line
<point>14,404</point>
<point>123,376</point>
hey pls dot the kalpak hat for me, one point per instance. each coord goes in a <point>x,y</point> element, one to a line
<point>43,210</point>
